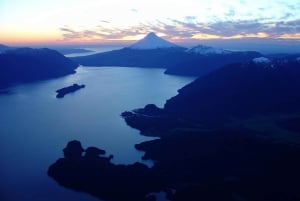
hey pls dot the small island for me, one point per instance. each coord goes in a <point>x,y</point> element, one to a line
<point>70,89</point>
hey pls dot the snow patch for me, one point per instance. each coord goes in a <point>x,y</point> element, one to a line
<point>152,41</point>
<point>261,60</point>
<point>202,49</point>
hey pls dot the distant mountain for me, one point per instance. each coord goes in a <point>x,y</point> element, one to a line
<point>4,48</point>
<point>152,41</point>
<point>27,64</point>
<point>151,51</point>
<point>72,50</point>
<point>155,52</point>
<point>201,60</point>
<point>206,50</point>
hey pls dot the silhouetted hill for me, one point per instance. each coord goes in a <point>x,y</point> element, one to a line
<point>27,64</point>
<point>261,86</point>
<point>237,91</point>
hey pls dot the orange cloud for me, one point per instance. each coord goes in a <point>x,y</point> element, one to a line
<point>202,36</point>
<point>295,36</point>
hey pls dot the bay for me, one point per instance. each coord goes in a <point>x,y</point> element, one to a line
<point>35,126</point>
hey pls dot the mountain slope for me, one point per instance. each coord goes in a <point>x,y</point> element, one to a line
<point>241,90</point>
<point>27,64</point>
<point>238,91</point>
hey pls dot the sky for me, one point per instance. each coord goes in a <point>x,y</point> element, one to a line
<point>24,22</point>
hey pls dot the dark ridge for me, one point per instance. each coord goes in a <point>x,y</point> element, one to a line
<point>235,92</point>
<point>241,90</point>
<point>23,65</point>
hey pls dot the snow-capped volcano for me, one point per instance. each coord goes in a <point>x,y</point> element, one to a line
<point>202,49</point>
<point>152,41</point>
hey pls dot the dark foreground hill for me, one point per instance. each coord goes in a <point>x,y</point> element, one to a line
<point>27,65</point>
<point>236,91</point>
<point>260,86</point>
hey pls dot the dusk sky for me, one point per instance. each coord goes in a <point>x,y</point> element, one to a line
<point>112,21</point>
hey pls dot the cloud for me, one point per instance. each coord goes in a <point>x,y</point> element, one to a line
<point>188,28</point>
<point>67,30</point>
<point>104,21</point>
<point>134,10</point>
<point>230,13</point>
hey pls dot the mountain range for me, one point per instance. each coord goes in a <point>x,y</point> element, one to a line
<point>20,65</point>
<point>155,52</point>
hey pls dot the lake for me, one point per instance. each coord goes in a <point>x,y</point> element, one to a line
<point>35,126</point>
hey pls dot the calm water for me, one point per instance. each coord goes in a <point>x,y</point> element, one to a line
<point>35,126</point>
